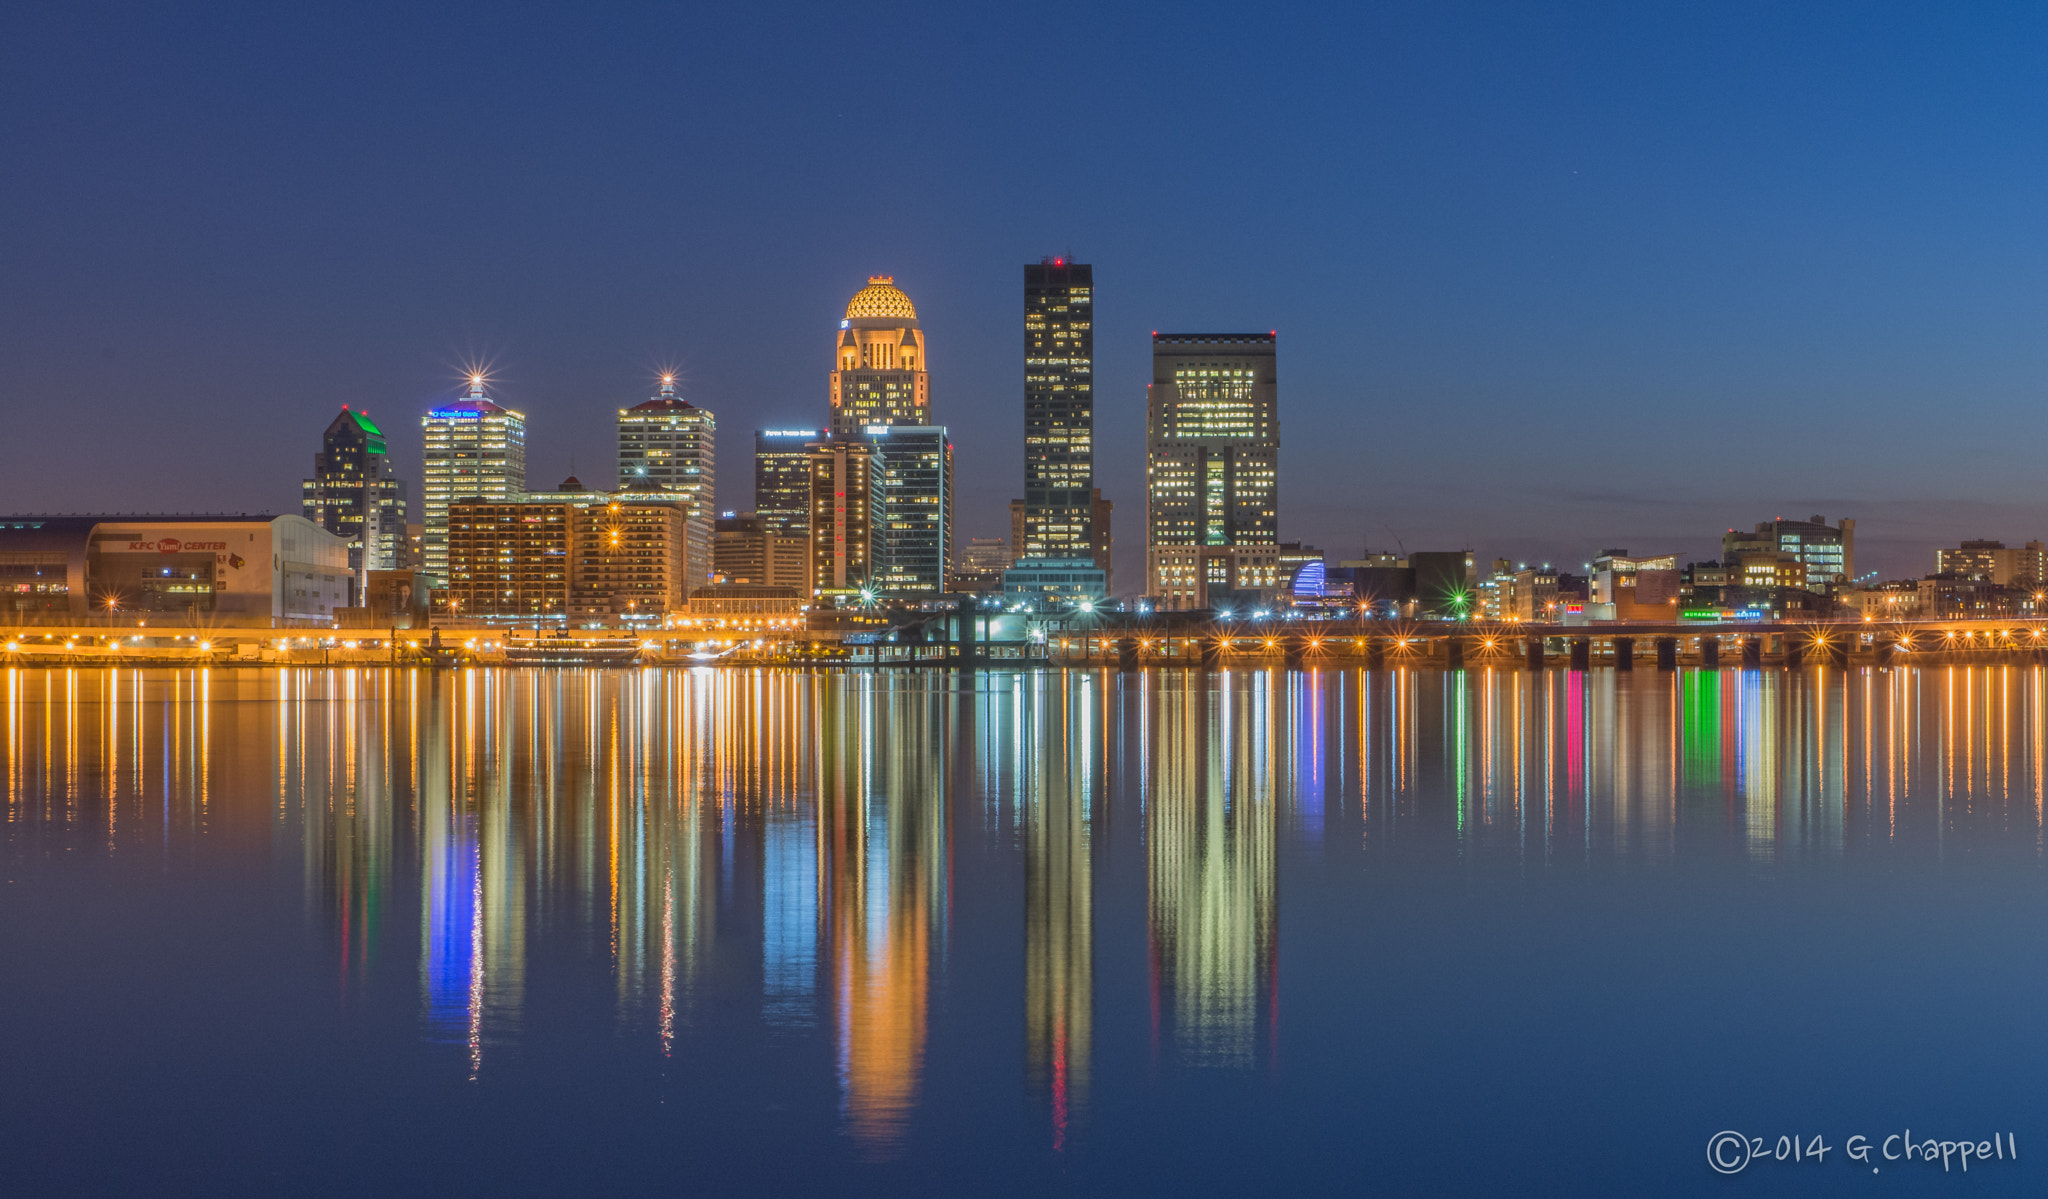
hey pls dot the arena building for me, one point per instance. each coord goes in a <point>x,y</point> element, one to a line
<point>256,571</point>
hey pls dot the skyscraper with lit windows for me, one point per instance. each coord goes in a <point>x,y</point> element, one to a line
<point>882,512</point>
<point>670,443</point>
<point>782,480</point>
<point>842,514</point>
<point>474,447</point>
<point>1059,410</point>
<point>354,495</point>
<point>878,373</point>
<point>912,481</point>
<point>1212,467</point>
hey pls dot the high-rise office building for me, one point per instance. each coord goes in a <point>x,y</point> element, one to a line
<point>913,502</point>
<point>354,495</point>
<point>1212,467</point>
<point>878,373</point>
<point>474,447</point>
<point>842,515</point>
<point>882,511</point>
<point>670,443</point>
<point>782,480</point>
<point>1059,410</point>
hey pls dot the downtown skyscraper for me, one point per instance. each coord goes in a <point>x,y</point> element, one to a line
<point>878,373</point>
<point>354,495</point>
<point>474,447</point>
<point>1059,411</point>
<point>670,444</point>
<point>880,482</point>
<point>842,516</point>
<point>912,478</point>
<point>782,480</point>
<point>1212,467</point>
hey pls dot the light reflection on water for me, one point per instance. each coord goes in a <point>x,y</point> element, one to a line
<point>801,832</point>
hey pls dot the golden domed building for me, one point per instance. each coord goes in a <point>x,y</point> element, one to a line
<point>878,375</point>
<point>881,512</point>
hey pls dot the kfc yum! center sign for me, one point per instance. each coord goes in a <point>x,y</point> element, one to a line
<point>172,545</point>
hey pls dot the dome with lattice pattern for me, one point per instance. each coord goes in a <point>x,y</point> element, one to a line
<point>880,299</point>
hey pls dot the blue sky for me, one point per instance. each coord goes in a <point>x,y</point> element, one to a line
<point>1548,279</point>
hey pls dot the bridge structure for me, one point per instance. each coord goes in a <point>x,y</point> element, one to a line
<point>1622,645</point>
<point>964,637</point>
<point>961,634</point>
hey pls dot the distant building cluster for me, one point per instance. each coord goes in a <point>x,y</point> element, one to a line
<point>1975,579</point>
<point>1782,568</point>
<point>493,549</point>
<point>858,513</point>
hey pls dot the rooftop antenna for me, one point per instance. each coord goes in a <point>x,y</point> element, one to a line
<point>1397,539</point>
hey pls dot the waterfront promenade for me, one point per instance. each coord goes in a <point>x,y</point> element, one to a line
<point>1114,641</point>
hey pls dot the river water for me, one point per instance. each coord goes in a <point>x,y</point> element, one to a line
<point>767,932</point>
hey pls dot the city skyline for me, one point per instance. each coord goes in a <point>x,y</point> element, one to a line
<point>1566,253</point>
<point>477,383</point>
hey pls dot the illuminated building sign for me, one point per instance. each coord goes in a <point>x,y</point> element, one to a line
<point>171,545</point>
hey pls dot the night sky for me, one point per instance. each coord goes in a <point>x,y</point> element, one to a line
<point>1547,280</point>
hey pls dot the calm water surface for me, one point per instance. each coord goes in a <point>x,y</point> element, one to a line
<point>557,932</point>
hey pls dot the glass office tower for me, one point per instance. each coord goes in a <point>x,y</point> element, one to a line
<point>354,495</point>
<point>1212,466</point>
<point>474,447</point>
<point>782,480</point>
<point>1059,410</point>
<point>671,444</point>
